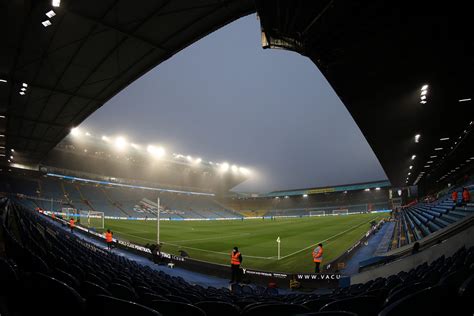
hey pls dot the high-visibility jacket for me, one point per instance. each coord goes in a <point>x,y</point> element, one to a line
<point>466,196</point>
<point>235,257</point>
<point>454,196</point>
<point>108,237</point>
<point>71,223</point>
<point>318,254</point>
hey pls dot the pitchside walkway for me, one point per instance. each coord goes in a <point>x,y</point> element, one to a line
<point>189,276</point>
<point>367,251</point>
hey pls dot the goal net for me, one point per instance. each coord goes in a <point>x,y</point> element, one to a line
<point>69,212</point>
<point>340,212</point>
<point>317,213</point>
<point>91,219</point>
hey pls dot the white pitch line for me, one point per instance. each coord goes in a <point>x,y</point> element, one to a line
<point>199,249</point>
<point>310,246</point>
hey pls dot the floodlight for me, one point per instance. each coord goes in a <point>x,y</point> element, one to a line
<point>244,171</point>
<point>22,92</point>
<point>413,157</point>
<point>367,190</point>
<point>88,134</point>
<point>377,189</point>
<point>46,23</point>
<point>424,87</point>
<point>411,167</point>
<point>120,143</point>
<point>424,92</point>
<point>105,139</point>
<point>50,14</point>
<point>56,3</point>
<point>156,152</point>
<point>75,131</point>
<point>189,158</point>
<point>443,139</point>
<point>3,80</point>
<point>198,160</point>
<point>135,146</point>
<point>305,195</point>
<point>417,138</point>
<point>224,166</point>
<point>235,168</point>
<point>423,97</point>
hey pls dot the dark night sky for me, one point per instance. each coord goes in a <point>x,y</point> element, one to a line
<point>226,99</point>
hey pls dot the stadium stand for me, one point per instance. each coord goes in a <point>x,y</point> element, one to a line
<point>44,262</point>
<point>420,220</point>
<point>114,201</point>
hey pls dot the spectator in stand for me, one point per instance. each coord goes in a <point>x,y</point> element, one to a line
<point>454,197</point>
<point>466,196</point>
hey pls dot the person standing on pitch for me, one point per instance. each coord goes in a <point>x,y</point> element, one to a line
<point>109,239</point>
<point>235,261</point>
<point>317,257</point>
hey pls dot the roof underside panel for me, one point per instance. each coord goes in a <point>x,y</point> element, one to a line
<point>90,52</point>
<point>377,55</point>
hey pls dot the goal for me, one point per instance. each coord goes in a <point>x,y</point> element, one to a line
<point>91,219</point>
<point>69,212</point>
<point>317,213</point>
<point>340,212</point>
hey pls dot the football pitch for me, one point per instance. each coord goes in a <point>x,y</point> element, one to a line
<point>212,241</point>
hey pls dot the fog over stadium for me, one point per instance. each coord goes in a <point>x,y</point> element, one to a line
<point>226,99</point>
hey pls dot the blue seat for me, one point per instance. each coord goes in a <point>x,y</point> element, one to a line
<point>218,308</point>
<point>101,305</point>
<point>41,289</point>
<point>168,308</point>
<point>276,309</point>
<point>428,301</point>
<point>121,291</point>
<point>363,305</point>
<point>89,289</point>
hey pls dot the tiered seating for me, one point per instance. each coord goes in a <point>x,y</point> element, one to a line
<point>50,271</point>
<point>422,219</point>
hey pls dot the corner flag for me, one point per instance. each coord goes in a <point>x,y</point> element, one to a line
<point>278,239</point>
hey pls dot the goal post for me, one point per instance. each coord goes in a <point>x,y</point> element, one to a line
<point>317,213</point>
<point>340,212</point>
<point>91,219</point>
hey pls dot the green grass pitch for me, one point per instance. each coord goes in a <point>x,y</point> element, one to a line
<point>213,241</point>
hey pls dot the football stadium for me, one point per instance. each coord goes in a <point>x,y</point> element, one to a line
<point>256,197</point>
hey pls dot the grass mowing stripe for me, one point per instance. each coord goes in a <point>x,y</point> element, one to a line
<point>211,241</point>
<point>310,246</point>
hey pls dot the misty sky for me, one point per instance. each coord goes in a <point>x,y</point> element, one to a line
<point>226,99</point>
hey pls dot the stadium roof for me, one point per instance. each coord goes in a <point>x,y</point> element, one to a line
<point>377,55</point>
<point>90,51</point>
